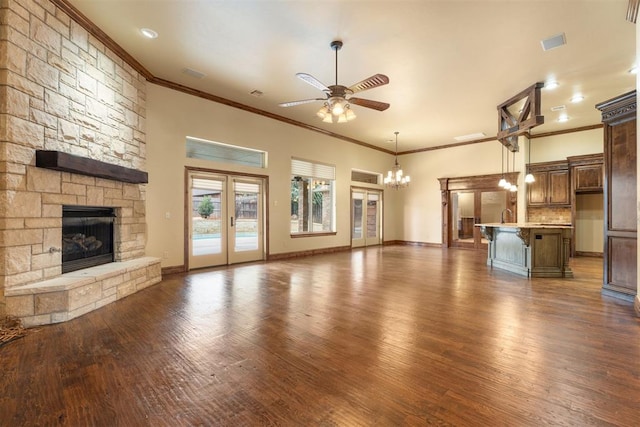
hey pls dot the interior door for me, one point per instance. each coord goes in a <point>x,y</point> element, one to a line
<point>225,220</point>
<point>366,214</point>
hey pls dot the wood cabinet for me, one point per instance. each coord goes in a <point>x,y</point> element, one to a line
<point>587,172</point>
<point>551,186</point>
<point>620,181</point>
<point>588,178</point>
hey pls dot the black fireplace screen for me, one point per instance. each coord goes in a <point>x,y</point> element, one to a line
<point>87,237</point>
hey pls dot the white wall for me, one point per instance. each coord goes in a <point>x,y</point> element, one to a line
<point>172,116</point>
<point>559,147</point>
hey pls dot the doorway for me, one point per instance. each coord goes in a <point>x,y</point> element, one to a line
<point>469,208</point>
<point>589,223</point>
<point>225,219</point>
<point>471,200</point>
<point>366,217</point>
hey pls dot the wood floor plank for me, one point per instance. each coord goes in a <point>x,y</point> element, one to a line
<point>386,336</point>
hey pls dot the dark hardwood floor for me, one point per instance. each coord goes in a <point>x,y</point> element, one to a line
<point>386,336</point>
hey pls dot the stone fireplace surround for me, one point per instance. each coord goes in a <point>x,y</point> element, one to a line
<point>66,296</point>
<point>62,89</point>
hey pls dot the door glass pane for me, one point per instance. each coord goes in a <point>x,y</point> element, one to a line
<point>372,215</point>
<point>206,211</point>
<point>356,201</point>
<point>246,216</point>
<point>463,208</point>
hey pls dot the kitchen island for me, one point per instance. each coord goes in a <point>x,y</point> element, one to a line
<point>529,249</point>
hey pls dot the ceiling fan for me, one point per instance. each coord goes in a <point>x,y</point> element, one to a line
<point>338,99</point>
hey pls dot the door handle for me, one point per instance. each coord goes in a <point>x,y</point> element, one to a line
<point>232,221</point>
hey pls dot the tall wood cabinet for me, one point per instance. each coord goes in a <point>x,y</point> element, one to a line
<point>620,216</point>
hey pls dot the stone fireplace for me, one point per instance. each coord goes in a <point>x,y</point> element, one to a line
<point>72,133</point>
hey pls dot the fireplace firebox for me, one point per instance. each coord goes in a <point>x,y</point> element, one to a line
<point>87,237</point>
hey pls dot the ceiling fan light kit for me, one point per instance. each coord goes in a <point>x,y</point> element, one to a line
<point>338,101</point>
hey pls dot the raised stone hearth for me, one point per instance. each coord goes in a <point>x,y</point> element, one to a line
<point>74,294</point>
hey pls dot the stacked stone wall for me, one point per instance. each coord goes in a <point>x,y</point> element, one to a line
<point>62,89</point>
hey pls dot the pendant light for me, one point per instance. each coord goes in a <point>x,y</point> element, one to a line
<point>529,178</point>
<point>502,181</point>
<point>507,184</point>
<point>513,187</point>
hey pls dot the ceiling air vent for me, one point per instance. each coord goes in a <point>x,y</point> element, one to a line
<point>558,108</point>
<point>193,73</point>
<point>553,42</point>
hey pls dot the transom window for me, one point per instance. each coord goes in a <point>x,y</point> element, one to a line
<point>225,153</point>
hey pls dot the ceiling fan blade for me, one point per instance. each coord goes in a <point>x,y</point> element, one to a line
<point>370,83</point>
<point>302,101</point>
<point>376,105</point>
<point>308,78</point>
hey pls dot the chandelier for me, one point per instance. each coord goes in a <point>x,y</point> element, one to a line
<point>395,177</point>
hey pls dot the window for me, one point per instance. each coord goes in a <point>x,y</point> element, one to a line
<point>216,151</point>
<point>366,177</point>
<point>312,197</point>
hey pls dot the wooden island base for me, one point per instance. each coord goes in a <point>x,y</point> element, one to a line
<point>528,249</point>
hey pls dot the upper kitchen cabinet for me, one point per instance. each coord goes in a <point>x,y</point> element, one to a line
<point>587,173</point>
<point>551,187</point>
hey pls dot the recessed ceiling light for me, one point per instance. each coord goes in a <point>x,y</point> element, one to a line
<point>634,70</point>
<point>577,98</point>
<point>551,84</point>
<point>563,118</point>
<point>470,136</point>
<point>149,33</point>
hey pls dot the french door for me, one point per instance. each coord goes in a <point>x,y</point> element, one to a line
<point>225,219</point>
<point>366,215</point>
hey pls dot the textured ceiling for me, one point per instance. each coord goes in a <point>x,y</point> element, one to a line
<point>450,63</point>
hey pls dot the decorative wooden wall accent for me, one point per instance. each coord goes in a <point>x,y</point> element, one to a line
<point>519,114</point>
